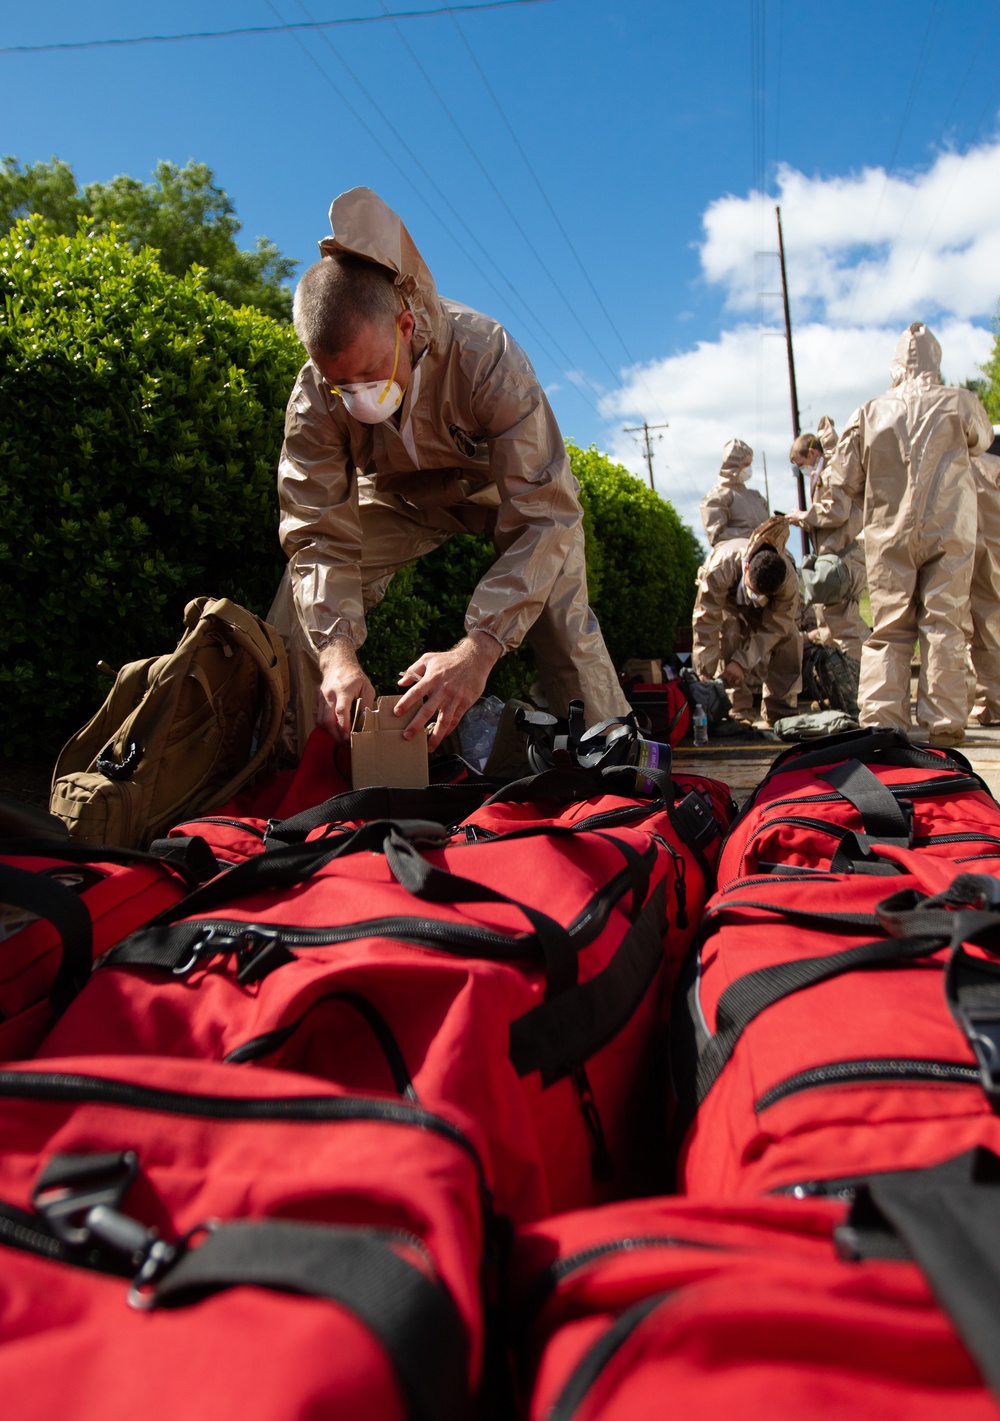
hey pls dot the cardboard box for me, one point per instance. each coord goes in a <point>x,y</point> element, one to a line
<point>380,755</point>
<point>650,673</point>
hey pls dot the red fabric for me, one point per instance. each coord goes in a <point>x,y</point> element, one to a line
<point>745,1141</point>
<point>119,898</point>
<point>451,1014</point>
<point>761,1320</point>
<point>71,1347</point>
<point>796,818</point>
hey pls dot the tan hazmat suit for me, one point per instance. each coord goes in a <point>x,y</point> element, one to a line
<point>474,447</point>
<point>764,641</point>
<point>985,592</point>
<point>834,520</point>
<point>730,509</point>
<point>906,454</point>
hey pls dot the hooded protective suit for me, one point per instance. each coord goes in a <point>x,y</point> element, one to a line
<point>834,520</point>
<point>474,448</point>
<point>764,641</point>
<point>730,509</point>
<point>985,592</point>
<point>906,454</point>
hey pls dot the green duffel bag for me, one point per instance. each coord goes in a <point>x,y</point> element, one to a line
<point>811,725</point>
<point>826,580</point>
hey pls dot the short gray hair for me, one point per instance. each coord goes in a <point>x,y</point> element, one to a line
<point>336,297</point>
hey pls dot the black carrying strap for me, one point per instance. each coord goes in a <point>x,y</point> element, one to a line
<point>948,1218</point>
<point>191,858</point>
<point>749,995</point>
<point>66,911</point>
<point>445,804</point>
<point>412,1315</point>
<point>437,885</point>
<point>571,785</point>
<point>884,819</point>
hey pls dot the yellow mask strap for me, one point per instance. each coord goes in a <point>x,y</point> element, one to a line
<point>395,367</point>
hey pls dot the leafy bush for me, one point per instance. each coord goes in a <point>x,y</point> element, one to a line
<point>654,556</point>
<point>140,426</point>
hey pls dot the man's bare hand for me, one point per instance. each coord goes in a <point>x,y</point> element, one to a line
<point>445,684</point>
<point>343,682</point>
<point>796,516</point>
<point>732,675</point>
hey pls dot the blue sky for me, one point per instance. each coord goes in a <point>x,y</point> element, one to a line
<point>661,134</point>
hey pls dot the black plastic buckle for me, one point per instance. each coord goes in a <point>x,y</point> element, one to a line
<point>72,1188</point>
<point>982,1031</point>
<point>212,941</point>
<point>258,952</point>
<point>694,820</point>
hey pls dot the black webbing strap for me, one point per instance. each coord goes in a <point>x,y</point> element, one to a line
<point>445,804</point>
<point>192,859</point>
<point>412,1315</point>
<point>854,854</point>
<point>948,1218</point>
<point>563,1032</point>
<point>883,817</point>
<point>66,911</point>
<point>749,995</point>
<point>291,865</point>
<point>571,784</point>
<point>437,885</point>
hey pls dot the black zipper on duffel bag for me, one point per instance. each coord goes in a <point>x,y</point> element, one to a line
<point>925,789</point>
<point>180,947</point>
<point>81,1089</point>
<point>870,1072</point>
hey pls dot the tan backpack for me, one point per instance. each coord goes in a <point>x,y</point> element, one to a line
<point>178,734</point>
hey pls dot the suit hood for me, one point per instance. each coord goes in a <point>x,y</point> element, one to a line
<point>364,226</point>
<point>917,355</point>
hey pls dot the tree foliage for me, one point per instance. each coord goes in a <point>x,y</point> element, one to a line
<point>141,420</point>
<point>183,214</point>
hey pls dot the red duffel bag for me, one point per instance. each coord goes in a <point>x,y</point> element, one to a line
<point>63,904</point>
<point>517,979</point>
<point>824,805</point>
<point>680,1307</point>
<point>831,1026</point>
<point>186,1239</point>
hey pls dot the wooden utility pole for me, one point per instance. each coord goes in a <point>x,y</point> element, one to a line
<point>793,390</point>
<point>644,429</point>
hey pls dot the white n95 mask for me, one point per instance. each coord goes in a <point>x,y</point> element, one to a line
<point>373,401</point>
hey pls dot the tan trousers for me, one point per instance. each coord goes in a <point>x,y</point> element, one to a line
<point>573,662</point>
<point>779,682</point>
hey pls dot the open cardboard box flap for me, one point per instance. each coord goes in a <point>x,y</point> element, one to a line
<point>380,755</point>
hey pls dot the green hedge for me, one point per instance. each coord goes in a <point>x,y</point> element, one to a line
<point>140,424</point>
<point>653,554</point>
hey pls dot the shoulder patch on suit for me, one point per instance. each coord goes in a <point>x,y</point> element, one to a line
<point>465,442</point>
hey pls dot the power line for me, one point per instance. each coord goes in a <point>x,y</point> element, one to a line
<point>548,202</point>
<point>503,201</point>
<point>417,163</point>
<point>257,29</point>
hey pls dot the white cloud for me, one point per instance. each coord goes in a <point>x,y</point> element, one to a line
<point>865,257</point>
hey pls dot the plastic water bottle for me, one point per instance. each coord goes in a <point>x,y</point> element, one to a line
<point>699,726</point>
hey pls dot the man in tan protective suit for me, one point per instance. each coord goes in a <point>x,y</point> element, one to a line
<point>745,623</point>
<point>984,648</point>
<point>413,419</point>
<point>907,454</point>
<point>730,509</point>
<point>834,520</point>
